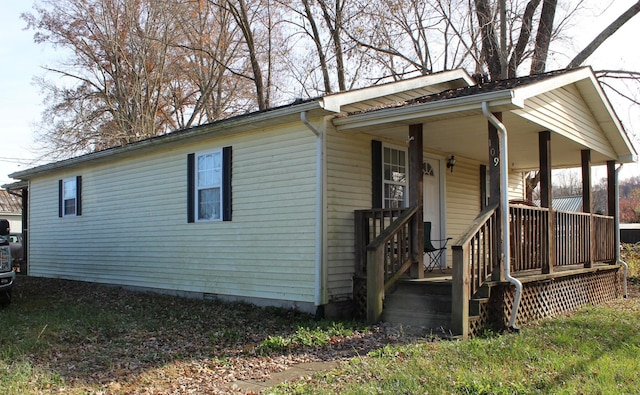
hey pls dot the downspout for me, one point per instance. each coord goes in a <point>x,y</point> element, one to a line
<point>617,237</point>
<point>504,206</point>
<point>320,267</point>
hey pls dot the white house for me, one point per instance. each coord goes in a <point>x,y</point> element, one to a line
<point>261,207</point>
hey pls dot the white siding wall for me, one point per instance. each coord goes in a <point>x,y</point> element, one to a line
<point>348,189</point>
<point>517,191</point>
<point>565,112</point>
<point>134,231</point>
<point>463,197</point>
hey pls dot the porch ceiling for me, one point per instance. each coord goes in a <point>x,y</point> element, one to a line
<point>568,103</point>
<point>466,135</point>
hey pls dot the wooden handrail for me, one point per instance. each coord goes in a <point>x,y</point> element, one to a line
<point>474,255</point>
<point>475,226</point>
<point>368,225</point>
<point>388,257</point>
<point>388,232</point>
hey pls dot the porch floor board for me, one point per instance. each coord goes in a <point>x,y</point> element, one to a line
<point>446,275</point>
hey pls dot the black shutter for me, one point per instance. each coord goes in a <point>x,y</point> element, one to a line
<point>60,198</point>
<point>226,183</point>
<point>376,173</point>
<point>191,178</point>
<point>79,195</point>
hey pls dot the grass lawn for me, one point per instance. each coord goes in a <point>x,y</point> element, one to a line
<point>595,351</point>
<point>77,338</point>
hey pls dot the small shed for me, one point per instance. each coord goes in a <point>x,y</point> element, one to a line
<point>565,203</point>
<point>630,233</point>
<point>11,209</point>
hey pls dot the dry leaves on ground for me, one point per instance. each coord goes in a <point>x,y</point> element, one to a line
<point>127,342</point>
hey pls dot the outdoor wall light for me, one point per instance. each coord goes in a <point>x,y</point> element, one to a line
<point>451,162</point>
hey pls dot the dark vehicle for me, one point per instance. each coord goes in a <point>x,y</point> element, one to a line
<point>7,275</point>
<point>15,242</point>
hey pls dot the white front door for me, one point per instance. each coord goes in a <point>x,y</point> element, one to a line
<point>432,203</point>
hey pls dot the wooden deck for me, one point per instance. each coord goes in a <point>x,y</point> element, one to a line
<point>524,276</point>
<point>563,261</point>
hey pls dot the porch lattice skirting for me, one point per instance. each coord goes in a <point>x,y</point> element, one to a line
<point>359,297</point>
<point>548,298</point>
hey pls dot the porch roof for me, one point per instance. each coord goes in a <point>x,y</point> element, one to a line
<point>569,103</point>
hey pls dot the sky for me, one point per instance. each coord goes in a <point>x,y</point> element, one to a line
<point>21,60</point>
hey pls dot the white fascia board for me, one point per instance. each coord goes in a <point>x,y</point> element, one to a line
<point>458,78</point>
<point>595,89</point>
<point>223,127</point>
<point>552,83</point>
<point>503,98</point>
<point>628,158</point>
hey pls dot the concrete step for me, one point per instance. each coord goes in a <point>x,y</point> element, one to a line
<point>418,319</point>
<point>419,303</point>
<point>422,287</point>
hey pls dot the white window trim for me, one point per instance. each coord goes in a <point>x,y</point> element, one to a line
<point>388,182</point>
<point>197,187</point>
<point>65,198</point>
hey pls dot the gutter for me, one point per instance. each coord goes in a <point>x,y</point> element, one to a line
<point>221,128</point>
<point>504,207</point>
<point>320,266</point>
<point>503,98</point>
<point>617,237</point>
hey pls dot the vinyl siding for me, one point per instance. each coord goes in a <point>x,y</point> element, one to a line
<point>348,189</point>
<point>564,111</point>
<point>462,197</point>
<point>516,186</point>
<point>134,228</point>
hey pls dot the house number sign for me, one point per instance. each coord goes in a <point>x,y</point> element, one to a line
<point>496,159</point>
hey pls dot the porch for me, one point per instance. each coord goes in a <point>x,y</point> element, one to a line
<point>560,270</point>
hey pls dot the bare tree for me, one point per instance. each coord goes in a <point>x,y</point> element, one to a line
<point>115,79</point>
<point>139,68</point>
<point>543,38</point>
<point>136,69</point>
<point>209,44</point>
<point>323,27</point>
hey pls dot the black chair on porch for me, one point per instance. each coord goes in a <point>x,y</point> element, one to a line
<point>434,253</point>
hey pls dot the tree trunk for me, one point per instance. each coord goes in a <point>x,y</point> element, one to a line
<point>523,39</point>
<point>242,19</point>
<point>335,26</point>
<point>543,38</point>
<point>318,43</point>
<point>490,46</point>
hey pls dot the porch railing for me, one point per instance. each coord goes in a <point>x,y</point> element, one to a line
<point>529,237</point>
<point>575,241</point>
<point>577,244</point>
<point>368,225</point>
<point>387,252</point>
<point>580,238</point>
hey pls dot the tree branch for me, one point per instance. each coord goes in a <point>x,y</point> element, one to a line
<point>605,34</point>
